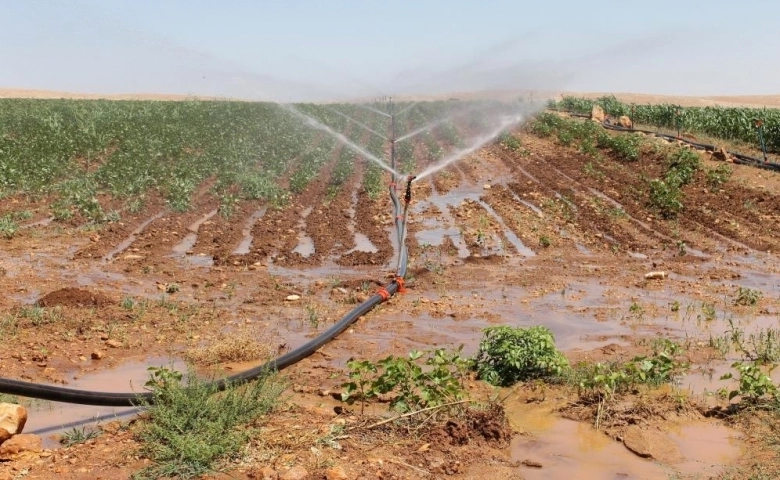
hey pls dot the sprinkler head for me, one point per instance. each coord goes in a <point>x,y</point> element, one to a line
<point>408,196</point>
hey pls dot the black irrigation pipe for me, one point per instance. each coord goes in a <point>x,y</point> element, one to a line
<point>739,158</point>
<point>129,399</point>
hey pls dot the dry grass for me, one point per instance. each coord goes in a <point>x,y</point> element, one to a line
<point>236,346</point>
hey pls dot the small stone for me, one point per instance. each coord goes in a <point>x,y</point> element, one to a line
<point>12,417</point>
<point>486,186</point>
<point>295,473</point>
<point>266,473</point>
<point>293,298</point>
<point>597,114</point>
<point>336,473</point>
<point>24,442</point>
<point>113,343</point>
<point>531,463</point>
<point>97,355</point>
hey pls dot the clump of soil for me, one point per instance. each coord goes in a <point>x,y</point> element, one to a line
<point>488,426</point>
<point>74,297</point>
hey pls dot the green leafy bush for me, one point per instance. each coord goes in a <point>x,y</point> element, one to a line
<point>508,355</point>
<point>191,424</point>
<point>755,385</point>
<point>666,198</point>
<point>416,381</point>
<point>718,176</point>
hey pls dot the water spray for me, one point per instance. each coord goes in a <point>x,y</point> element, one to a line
<point>314,123</point>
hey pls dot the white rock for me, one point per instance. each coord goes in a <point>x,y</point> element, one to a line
<point>292,298</point>
<point>12,417</point>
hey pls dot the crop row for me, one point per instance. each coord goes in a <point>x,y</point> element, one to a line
<point>87,156</point>
<point>722,122</point>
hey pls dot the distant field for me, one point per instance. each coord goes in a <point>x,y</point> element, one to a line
<point>772,101</point>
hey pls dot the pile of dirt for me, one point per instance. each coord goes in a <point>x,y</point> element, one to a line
<point>74,297</point>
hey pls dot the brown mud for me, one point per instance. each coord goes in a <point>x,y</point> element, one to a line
<point>500,238</point>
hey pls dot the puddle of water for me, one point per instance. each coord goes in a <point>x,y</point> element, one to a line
<point>510,235</point>
<point>305,245</point>
<point>363,244</point>
<point>569,449</point>
<point>436,235</point>
<point>706,447</point>
<point>49,419</point>
<point>124,244</point>
<point>583,249</point>
<point>246,242</point>
<point>186,244</point>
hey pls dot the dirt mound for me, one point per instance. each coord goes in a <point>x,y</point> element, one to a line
<point>489,425</point>
<point>74,297</point>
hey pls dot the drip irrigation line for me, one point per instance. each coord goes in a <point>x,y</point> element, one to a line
<point>739,158</point>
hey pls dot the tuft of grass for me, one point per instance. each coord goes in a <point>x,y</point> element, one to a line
<point>77,435</point>
<point>8,226</point>
<point>747,296</point>
<point>191,425</point>
<point>233,347</point>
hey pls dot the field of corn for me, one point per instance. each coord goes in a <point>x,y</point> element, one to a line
<point>736,124</point>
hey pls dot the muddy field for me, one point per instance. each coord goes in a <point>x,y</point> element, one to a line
<point>518,237</point>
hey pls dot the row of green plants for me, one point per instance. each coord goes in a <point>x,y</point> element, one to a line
<point>664,194</point>
<point>728,123</point>
<point>77,152</point>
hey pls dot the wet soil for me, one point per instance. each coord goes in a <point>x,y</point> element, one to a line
<point>500,238</point>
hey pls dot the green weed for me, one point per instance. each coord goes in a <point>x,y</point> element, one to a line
<point>192,425</point>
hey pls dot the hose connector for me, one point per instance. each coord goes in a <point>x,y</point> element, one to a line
<point>408,196</point>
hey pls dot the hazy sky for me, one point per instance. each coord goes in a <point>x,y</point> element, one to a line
<point>287,49</point>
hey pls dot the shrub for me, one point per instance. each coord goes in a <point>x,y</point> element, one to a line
<point>414,387</point>
<point>508,355</point>
<point>191,424</point>
<point>666,198</point>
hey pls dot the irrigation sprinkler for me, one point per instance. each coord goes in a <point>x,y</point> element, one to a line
<point>677,121</point>
<point>760,128</point>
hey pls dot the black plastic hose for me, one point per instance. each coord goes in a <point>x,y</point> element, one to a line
<point>109,399</point>
<point>738,157</point>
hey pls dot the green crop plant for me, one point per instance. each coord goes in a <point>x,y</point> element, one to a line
<point>755,386</point>
<point>419,380</point>
<point>8,226</point>
<point>718,176</point>
<point>508,355</point>
<point>77,435</point>
<point>747,296</point>
<point>510,142</point>
<point>666,198</point>
<point>728,123</point>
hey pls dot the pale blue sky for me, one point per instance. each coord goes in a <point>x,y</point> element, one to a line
<point>305,49</point>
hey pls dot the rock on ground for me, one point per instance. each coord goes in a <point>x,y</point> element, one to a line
<point>625,122</point>
<point>295,473</point>
<point>597,114</point>
<point>18,444</point>
<point>12,417</point>
<point>651,444</point>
